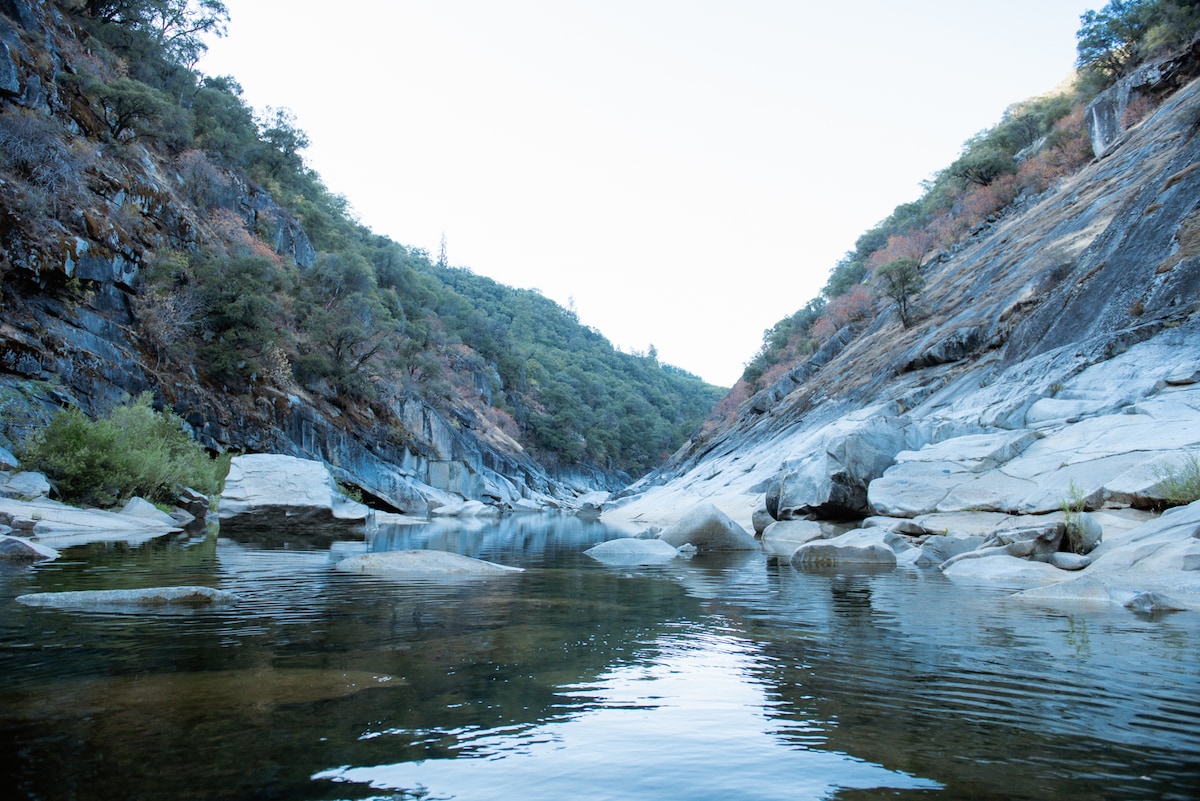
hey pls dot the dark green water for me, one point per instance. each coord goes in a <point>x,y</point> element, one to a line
<point>718,677</point>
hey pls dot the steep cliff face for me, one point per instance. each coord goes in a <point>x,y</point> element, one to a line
<point>85,207</point>
<point>1072,305</point>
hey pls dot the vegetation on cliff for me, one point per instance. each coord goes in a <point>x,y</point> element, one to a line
<point>247,273</point>
<point>133,451</point>
<point>1036,143</point>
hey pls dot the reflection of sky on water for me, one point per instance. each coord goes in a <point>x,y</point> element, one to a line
<point>692,720</point>
<point>729,676</point>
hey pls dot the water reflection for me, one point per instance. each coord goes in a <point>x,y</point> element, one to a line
<point>688,718</point>
<point>718,676</point>
<point>527,540</point>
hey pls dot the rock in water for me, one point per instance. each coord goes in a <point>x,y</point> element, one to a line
<point>150,596</point>
<point>860,548</point>
<point>264,490</point>
<point>709,529</point>
<point>421,564</point>
<point>633,551</point>
<point>19,549</point>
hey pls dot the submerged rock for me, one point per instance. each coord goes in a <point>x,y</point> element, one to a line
<point>149,596</point>
<point>422,563</point>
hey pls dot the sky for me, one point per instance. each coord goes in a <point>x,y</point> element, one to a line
<point>680,173</point>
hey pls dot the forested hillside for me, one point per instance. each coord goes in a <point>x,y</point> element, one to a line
<point>1002,169</point>
<point>122,166</point>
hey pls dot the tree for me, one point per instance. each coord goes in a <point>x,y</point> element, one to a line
<point>901,280</point>
<point>347,322</point>
<point>283,142</point>
<point>224,125</point>
<point>131,109</point>
<point>1109,41</point>
<point>175,25</point>
<point>982,164</point>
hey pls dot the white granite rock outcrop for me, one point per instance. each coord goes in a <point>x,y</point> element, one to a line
<point>270,490</point>
<point>707,528</point>
<point>59,525</point>
<point>1155,566</point>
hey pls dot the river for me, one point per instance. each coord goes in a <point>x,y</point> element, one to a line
<point>728,676</point>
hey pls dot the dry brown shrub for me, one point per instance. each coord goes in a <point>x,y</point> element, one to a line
<point>234,237</point>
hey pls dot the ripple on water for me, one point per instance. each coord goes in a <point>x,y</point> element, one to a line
<point>717,677</point>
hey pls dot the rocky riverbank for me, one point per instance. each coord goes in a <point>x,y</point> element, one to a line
<point>1032,422</point>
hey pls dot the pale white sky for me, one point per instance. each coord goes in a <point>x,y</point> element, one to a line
<point>686,171</point>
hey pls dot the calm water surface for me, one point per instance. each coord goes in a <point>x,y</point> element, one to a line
<point>718,677</point>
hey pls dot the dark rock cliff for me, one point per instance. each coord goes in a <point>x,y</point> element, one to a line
<point>84,222</point>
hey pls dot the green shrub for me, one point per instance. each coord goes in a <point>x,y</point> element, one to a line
<point>133,451</point>
<point>1180,484</point>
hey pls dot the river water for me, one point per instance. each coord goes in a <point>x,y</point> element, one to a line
<point>716,677</point>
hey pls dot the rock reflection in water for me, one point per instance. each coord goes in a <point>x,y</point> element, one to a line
<point>723,675</point>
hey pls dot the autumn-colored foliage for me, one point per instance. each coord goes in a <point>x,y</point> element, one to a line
<point>855,306</point>
<point>235,238</point>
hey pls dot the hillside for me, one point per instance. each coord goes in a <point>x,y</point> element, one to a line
<point>160,235</point>
<point>1050,361</point>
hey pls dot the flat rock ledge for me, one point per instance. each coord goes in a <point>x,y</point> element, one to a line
<point>64,525</point>
<point>420,563</point>
<point>149,596</point>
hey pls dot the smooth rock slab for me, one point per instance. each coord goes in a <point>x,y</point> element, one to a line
<point>862,547</point>
<point>783,537</point>
<point>1002,570</point>
<point>25,486</point>
<point>418,563</point>
<point>150,596</point>
<point>709,529</point>
<point>465,509</point>
<point>1159,556</point>
<point>942,547</point>
<point>633,551</point>
<point>19,549</point>
<point>64,525</point>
